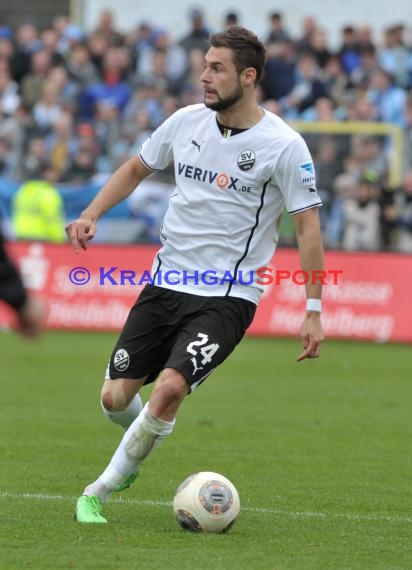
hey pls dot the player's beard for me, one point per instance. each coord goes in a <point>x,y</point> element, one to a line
<point>224,103</point>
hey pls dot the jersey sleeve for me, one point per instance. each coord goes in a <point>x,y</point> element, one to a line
<point>157,151</point>
<point>296,179</point>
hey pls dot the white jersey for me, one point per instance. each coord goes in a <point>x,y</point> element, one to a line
<point>222,222</point>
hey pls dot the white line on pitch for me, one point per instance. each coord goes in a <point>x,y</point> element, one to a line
<point>299,514</point>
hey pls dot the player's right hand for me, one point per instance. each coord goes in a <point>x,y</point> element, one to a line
<point>79,232</point>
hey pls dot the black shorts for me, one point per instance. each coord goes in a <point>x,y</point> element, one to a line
<point>170,329</point>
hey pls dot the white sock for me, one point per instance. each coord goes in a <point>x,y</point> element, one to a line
<point>141,438</point>
<point>125,417</point>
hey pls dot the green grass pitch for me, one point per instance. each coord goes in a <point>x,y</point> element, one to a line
<point>320,452</point>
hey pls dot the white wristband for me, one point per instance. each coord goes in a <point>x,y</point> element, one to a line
<point>314,305</point>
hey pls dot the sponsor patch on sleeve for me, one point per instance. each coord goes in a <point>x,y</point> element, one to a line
<point>306,172</point>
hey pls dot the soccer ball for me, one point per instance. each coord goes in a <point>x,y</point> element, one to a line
<point>206,502</point>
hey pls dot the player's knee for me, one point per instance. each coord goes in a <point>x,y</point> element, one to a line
<point>113,399</point>
<point>169,391</point>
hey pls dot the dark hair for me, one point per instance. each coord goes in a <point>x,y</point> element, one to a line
<point>248,50</point>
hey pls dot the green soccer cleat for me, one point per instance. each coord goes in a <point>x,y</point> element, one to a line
<point>127,482</point>
<point>89,510</point>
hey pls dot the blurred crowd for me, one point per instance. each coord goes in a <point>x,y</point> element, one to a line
<point>75,105</point>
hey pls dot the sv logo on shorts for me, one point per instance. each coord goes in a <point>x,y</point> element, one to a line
<point>121,360</point>
<point>206,352</point>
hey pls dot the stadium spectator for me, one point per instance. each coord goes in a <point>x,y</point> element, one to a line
<point>61,144</point>
<point>359,78</point>
<point>349,51</point>
<point>114,87</point>
<point>66,88</point>
<point>164,60</point>
<point>31,86</point>
<point>38,209</point>
<point>98,46</point>
<point>336,84</point>
<point>7,158</point>
<point>27,42</point>
<point>107,129</point>
<point>50,44</point>
<point>9,96</point>
<point>361,109</point>
<point>361,218</point>
<point>394,56</point>
<point>400,214</point>
<point>307,89</point>
<point>83,161</point>
<point>309,26</point>
<point>328,166</point>
<point>389,99</point>
<point>319,47</point>
<point>35,158</point>
<point>277,31</point>
<point>344,187</point>
<point>106,29</point>
<point>197,38</point>
<point>80,67</point>
<point>365,38</point>
<point>6,54</point>
<point>366,158</point>
<point>47,108</point>
<point>140,40</point>
<point>280,70</point>
<point>408,133</point>
<point>231,19</point>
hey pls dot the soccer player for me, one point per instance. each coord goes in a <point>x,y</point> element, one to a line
<point>29,311</point>
<point>237,166</point>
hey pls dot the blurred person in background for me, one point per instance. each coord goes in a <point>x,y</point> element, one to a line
<point>29,311</point>
<point>114,87</point>
<point>319,47</point>
<point>97,45</point>
<point>308,87</point>
<point>388,98</point>
<point>7,158</point>
<point>304,42</point>
<point>361,219</point>
<point>80,67</point>
<point>106,29</point>
<point>280,70</point>
<point>359,78</point>
<point>277,32</point>
<point>198,36</point>
<point>61,144</point>
<point>231,19</point>
<point>35,158</point>
<point>9,96</point>
<point>47,109</point>
<point>344,188</point>
<point>366,158</point>
<point>400,215</point>
<point>37,209</point>
<point>27,42</point>
<point>349,50</point>
<point>32,83</point>
<point>174,62</point>
<point>50,43</point>
<point>408,133</point>
<point>394,56</point>
<point>82,165</point>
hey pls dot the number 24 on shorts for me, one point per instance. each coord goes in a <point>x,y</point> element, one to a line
<point>201,347</point>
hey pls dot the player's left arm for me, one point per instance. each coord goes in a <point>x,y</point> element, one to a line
<point>309,238</point>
